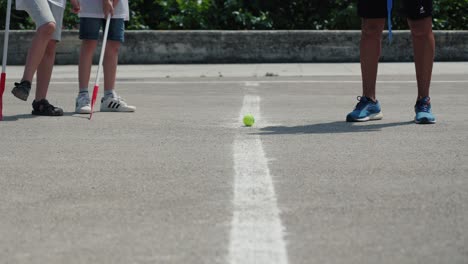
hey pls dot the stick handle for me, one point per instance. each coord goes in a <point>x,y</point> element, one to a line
<point>389,20</point>
<point>6,34</point>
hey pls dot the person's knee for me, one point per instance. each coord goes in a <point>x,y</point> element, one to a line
<point>47,28</point>
<point>89,46</point>
<point>421,28</point>
<point>113,47</point>
<point>372,28</point>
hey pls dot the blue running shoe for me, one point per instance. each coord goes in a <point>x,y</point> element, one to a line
<point>423,111</point>
<point>365,110</point>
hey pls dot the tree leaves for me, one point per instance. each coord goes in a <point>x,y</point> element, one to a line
<point>252,14</point>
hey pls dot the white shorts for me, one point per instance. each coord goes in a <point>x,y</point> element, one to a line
<point>42,12</point>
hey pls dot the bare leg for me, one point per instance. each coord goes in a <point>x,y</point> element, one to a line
<point>86,61</point>
<point>110,68</point>
<point>424,52</point>
<point>44,72</point>
<point>36,51</point>
<point>370,47</point>
<point>111,57</point>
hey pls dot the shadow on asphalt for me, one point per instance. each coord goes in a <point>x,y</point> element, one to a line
<point>30,116</point>
<point>330,128</point>
<point>17,117</point>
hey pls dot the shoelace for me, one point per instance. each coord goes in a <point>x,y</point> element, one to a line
<point>423,107</point>
<point>46,106</point>
<point>23,84</point>
<point>119,99</point>
<point>361,103</point>
<point>50,107</point>
<point>84,99</point>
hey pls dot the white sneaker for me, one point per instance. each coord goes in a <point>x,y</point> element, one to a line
<point>115,104</point>
<point>83,105</point>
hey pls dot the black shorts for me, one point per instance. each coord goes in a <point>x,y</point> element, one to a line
<point>413,9</point>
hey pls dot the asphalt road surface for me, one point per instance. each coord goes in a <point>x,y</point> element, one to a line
<point>183,181</point>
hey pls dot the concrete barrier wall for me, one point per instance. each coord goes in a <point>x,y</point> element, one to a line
<point>161,47</point>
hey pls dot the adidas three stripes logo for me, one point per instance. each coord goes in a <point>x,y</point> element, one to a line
<point>113,105</point>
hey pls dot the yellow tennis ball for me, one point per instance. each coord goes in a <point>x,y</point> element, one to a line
<point>249,120</point>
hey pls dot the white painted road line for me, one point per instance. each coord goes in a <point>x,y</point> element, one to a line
<point>257,235</point>
<point>252,84</point>
<point>256,83</point>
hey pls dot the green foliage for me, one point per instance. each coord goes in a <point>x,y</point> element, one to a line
<point>343,16</point>
<point>19,19</point>
<point>274,14</point>
<point>451,14</point>
<point>252,14</point>
<point>197,14</point>
<point>70,20</point>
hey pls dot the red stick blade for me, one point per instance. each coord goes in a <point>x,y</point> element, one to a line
<point>2,89</point>
<point>93,99</point>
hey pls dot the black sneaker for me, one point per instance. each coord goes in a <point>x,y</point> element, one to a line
<point>43,108</point>
<point>21,90</point>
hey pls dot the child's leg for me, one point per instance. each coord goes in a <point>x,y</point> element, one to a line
<point>40,105</point>
<point>89,34</point>
<point>44,72</point>
<point>424,52</point>
<point>370,53</point>
<point>86,61</point>
<point>111,102</point>
<point>111,57</point>
<point>36,51</point>
<point>48,18</point>
<point>83,103</point>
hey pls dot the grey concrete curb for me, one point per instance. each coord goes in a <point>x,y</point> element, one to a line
<point>162,47</point>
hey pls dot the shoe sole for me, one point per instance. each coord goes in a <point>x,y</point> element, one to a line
<point>83,112</point>
<point>19,94</point>
<point>117,110</point>
<point>372,117</point>
<point>34,112</point>
<point>102,111</point>
<point>424,121</point>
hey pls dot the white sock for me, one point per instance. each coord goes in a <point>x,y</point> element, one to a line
<point>110,93</point>
<point>83,92</point>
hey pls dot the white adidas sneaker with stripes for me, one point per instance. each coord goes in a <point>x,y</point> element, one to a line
<point>115,104</point>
